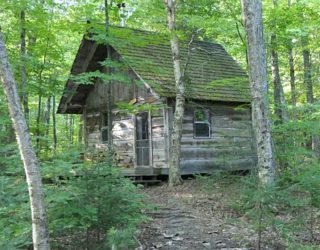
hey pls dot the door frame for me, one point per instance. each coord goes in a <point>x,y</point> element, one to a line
<point>149,139</point>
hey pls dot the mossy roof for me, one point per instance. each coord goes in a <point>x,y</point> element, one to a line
<point>212,74</point>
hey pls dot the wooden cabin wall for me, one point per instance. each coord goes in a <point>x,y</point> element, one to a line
<point>123,139</point>
<point>92,129</point>
<point>123,136</point>
<point>121,92</point>
<point>159,138</point>
<point>97,100</point>
<point>229,147</point>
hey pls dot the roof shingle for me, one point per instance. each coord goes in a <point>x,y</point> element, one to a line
<point>212,74</point>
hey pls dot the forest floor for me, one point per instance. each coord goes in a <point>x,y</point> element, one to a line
<point>187,217</point>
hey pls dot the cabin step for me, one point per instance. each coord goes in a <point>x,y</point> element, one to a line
<point>145,180</point>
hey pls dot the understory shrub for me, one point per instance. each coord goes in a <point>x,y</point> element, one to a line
<point>90,205</point>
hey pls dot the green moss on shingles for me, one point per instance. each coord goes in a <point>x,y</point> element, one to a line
<point>212,73</point>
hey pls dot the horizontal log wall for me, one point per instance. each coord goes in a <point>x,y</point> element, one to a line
<point>230,145</point>
<point>92,129</point>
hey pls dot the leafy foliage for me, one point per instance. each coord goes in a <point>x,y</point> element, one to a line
<point>89,198</point>
<point>86,201</point>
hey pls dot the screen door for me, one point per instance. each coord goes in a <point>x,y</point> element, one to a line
<point>142,139</point>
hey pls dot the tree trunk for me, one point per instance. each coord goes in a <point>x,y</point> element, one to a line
<point>70,125</point>
<point>109,85</point>
<point>307,69</point>
<point>309,87</point>
<point>38,133</point>
<point>40,233</point>
<point>54,124</point>
<point>292,76</point>
<point>252,13</point>
<point>279,100</point>
<point>23,57</point>
<point>47,115</point>
<point>39,113</point>
<point>292,71</point>
<point>174,162</point>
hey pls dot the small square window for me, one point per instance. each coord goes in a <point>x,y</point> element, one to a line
<point>201,126</point>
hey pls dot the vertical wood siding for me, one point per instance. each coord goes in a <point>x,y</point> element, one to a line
<point>159,139</point>
<point>123,139</point>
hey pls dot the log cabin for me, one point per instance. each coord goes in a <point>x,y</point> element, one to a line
<point>138,66</point>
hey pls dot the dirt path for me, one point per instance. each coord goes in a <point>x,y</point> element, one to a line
<point>185,219</point>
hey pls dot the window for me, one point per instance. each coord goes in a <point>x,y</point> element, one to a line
<point>104,128</point>
<point>201,126</point>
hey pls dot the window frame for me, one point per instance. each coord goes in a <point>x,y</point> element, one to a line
<point>104,126</point>
<point>207,121</point>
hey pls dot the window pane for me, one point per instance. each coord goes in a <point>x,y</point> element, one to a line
<point>201,127</point>
<point>142,131</point>
<point>201,115</point>
<point>104,120</point>
<point>104,134</point>
<point>201,130</point>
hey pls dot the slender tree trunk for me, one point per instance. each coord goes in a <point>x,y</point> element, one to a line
<point>109,84</point>
<point>40,233</point>
<point>279,100</point>
<point>243,42</point>
<point>292,71</point>
<point>292,76</point>
<point>309,87</point>
<point>54,124</point>
<point>47,115</point>
<point>39,113</point>
<point>174,162</point>
<point>70,125</point>
<point>80,132</point>
<point>38,133</point>
<point>23,56</point>
<point>307,69</point>
<point>252,13</point>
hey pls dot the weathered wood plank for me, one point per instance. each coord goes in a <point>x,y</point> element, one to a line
<point>158,132</point>
<point>158,143</point>
<point>196,166</point>
<point>214,140</point>
<point>160,164</point>
<point>222,133</point>
<point>123,145</point>
<point>159,155</point>
<point>121,116</point>
<point>214,154</point>
<point>157,121</point>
